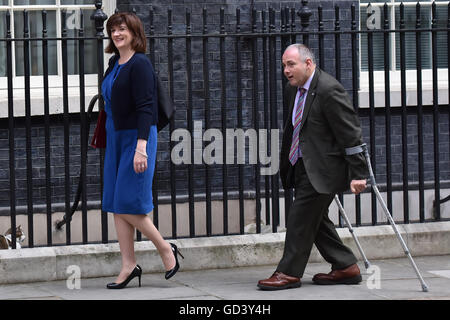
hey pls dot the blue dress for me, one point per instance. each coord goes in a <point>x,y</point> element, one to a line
<point>124,190</point>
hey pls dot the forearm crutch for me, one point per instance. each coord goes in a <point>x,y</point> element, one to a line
<point>363,149</point>
<point>349,226</point>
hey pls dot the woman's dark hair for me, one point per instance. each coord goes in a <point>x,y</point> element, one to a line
<point>134,24</point>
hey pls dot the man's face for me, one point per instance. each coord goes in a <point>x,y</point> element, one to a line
<point>295,69</point>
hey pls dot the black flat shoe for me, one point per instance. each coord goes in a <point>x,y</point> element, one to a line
<point>171,273</point>
<point>137,272</point>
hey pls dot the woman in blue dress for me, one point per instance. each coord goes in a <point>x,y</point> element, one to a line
<point>130,95</point>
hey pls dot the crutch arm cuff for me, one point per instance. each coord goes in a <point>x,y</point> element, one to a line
<point>355,150</point>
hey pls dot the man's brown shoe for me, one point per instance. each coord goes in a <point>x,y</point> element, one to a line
<point>349,275</point>
<point>279,281</point>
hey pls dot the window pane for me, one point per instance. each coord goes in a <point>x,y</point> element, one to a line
<point>65,2</point>
<point>90,53</point>
<point>33,2</point>
<point>4,2</point>
<point>374,21</point>
<point>2,45</point>
<point>373,1</point>
<point>35,30</point>
<point>410,37</point>
<point>442,44</point>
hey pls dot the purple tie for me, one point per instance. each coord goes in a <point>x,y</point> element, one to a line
<point>295,152</point>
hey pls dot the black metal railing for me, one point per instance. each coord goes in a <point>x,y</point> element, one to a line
<point>228,75</point>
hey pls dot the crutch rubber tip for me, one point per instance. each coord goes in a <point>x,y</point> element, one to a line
<point>424,288</point>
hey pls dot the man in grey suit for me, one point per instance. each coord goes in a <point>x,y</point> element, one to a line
<point>321,125</point>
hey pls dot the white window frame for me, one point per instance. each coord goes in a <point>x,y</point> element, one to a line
<point>394,74</point>
<point>55,81</point>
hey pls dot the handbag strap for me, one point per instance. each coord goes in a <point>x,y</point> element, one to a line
<point>59,224</point>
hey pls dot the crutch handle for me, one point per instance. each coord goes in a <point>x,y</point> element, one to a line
<point>362,148</point>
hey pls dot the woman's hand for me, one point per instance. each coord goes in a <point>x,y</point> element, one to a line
<point>140,156</point>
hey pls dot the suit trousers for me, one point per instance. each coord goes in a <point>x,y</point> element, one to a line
<point>307,224</point>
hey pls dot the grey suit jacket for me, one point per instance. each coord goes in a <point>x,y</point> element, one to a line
<point>329,125</point>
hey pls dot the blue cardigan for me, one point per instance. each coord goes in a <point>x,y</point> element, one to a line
<point>134,95</point>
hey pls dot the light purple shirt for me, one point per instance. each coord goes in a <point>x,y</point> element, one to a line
<point>306,87</point>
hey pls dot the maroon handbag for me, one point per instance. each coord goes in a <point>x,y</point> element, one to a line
<point>99,139</point>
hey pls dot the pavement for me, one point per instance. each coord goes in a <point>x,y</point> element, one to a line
<point>386,279</point>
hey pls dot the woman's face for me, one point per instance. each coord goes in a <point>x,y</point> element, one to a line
<point>121,36</point>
